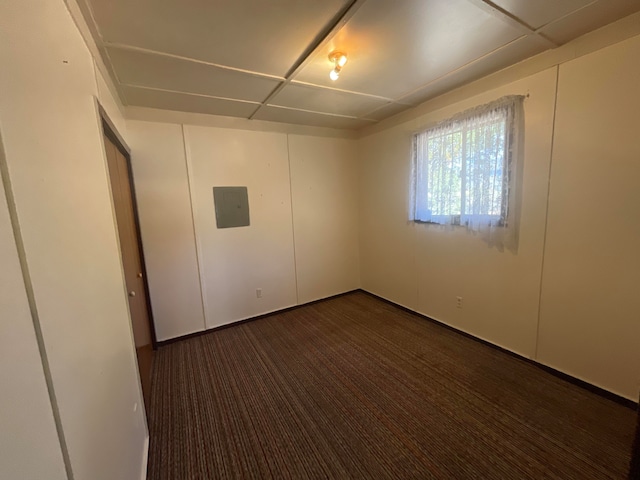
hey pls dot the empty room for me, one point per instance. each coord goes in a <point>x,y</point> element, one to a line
<point>302,239</point>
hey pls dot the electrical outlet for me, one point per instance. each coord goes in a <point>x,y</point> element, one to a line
<point>458,302</point>
<point>258,293</point>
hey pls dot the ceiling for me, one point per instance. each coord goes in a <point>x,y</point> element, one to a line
<point>268,60</point>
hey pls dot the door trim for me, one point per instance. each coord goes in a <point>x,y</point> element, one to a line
<point>110,132</point>
<point>634,468</point>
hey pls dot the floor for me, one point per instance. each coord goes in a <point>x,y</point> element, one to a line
<point>353,387</point>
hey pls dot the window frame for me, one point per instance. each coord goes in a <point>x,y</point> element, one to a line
<point>512,106</point>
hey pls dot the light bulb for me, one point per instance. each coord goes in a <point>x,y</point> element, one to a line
<point>338,59</point>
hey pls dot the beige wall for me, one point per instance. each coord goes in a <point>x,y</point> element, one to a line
<point>29,446</point>
<point>570,302</point>
<point>424,267</point>
<point>590,306</point>
<point>110,104</point>
<point>421,267</point>
<point>301,244</point>
<point>325,211</point>
<point>166,224</point>
<point>234,262</point>
<point>57,169</point>
<point>588,324</point>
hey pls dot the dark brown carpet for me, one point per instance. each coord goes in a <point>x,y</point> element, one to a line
<point>355,388</point>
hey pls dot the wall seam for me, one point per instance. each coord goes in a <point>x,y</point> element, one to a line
<point>546,214</point>
<point>193,225</point>
<point>95,76</point>
<point>102,118</point>
<point>360,177</point>
<point>293,224</point>
<point>35,317</point>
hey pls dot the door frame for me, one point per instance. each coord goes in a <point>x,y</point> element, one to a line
<point>109,131</point>
<point>634,468</point>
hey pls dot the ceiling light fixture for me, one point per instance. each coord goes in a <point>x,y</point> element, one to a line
<point>338,59</point>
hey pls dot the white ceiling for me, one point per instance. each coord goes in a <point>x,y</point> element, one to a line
<point>268,60</point>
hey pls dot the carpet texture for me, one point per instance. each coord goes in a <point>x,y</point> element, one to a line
<point>353,387</point>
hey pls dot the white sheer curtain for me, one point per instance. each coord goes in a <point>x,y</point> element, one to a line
<point>467,171</point>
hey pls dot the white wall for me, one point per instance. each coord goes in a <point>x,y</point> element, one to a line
<point>587,325</point>
<point>589,318</point>
<point>236,261</point>
<point>306,213</point>
<point>325,210</point>
<point>303,212</point>
<point>29,446</point>
<point>301,244</point>
<point>425,268</point>
<point>57,168</point>
<point>166,225</point>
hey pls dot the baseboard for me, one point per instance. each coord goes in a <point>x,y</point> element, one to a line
<point>251,319</point>
<point>557,373</point>
<point>145,458</point>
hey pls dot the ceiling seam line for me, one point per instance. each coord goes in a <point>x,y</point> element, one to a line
<point>282,107</point>
<point>508,15</point>
<point>92,16</point>
<point>193,94</point>
<point>460,68</point>
<point>92,25</point>
<point>112,70</point>
<point>514,19</point>
<point>566,15</point>
<point>351,92</point>
<point>327,32</point>
<point>132,48</point>
<point>364,117</point>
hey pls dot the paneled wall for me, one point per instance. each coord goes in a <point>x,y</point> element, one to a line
<point>568,299</point>
<point>302,242</point>
<point>590,305</point>
<point>56,167</point>
<point>29,446</point>
<point>324,179</point>
<point>426,267</point>
<point>166,224</point>
<point>328,215</point>
<point>235,262</point>
<point>310,201</point>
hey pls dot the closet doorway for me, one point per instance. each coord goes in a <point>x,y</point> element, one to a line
<point>123,195</point>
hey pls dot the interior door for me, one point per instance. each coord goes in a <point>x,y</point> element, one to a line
<point>132,261</point>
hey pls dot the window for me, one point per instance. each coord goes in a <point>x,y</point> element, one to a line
<point>465,168</point>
